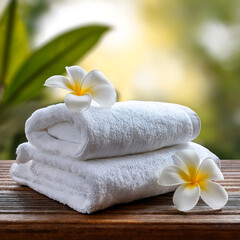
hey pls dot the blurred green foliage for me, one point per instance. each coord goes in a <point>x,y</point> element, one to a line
<point>13,43</point>
<point>23,71</point>
<point>31,11</point>
<point>220,113</point>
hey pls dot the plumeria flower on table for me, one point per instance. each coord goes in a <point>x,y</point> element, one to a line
<point>194,179</point>
<point>84,87</point>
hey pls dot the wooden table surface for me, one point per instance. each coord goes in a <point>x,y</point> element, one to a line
<point>26,214</point>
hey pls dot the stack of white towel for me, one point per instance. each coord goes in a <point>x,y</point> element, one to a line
<point>104,156</point>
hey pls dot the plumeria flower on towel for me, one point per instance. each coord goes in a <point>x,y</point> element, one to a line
<point>84,87</point>
<point>194,180</point>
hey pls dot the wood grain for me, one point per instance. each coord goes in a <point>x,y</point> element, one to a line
<point>26,214</point>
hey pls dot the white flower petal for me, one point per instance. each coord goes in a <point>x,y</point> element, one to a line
<point>178,162</point>
<point>169,176</point>
<point>95,78</point>
<point>104,95</point>
<point>186,197</point>
<point>58,81</point>
<point>77,74</point>
<point>187,160</point>
<point>214,195</point>
<point>186,157</point>
<point>209,170</point>
<point>78,103</point>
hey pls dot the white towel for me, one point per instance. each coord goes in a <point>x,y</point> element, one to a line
<point>126,128</point>
<point>88,186</point>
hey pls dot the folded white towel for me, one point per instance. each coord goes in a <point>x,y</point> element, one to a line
<point>126,128</point>
<point>88,186</point>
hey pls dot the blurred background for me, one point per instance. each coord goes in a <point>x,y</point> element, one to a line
<point>180,51</point>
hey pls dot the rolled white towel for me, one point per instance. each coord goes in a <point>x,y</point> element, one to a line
<point>126,128</point>
<point>88,186</point>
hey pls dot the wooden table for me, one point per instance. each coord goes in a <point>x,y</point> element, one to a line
<point>26,214</point>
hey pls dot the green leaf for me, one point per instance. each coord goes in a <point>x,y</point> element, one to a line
<point>51,59</point>
<point>13,42</point>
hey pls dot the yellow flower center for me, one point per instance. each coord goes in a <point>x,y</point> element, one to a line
<point>193,177</point>
<point>78,90</point>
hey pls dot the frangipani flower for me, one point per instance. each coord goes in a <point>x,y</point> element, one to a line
<point>84,87</point>
<point>195,180</point>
